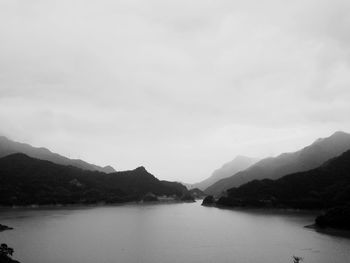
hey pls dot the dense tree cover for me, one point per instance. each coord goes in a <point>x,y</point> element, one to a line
<point>6,253</point>
<point>208,200</point>
<point>188,198</point>
<point>274,168</point>
<point>25,181</point>
<point>324,187</point>
<point>338,217</point>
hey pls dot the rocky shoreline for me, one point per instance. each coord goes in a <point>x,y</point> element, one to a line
<point>3,228</point>
<point>6,252</point>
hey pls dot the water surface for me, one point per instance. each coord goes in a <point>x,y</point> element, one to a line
<point>166,233</point>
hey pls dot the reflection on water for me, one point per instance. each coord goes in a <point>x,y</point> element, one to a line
<point>166,233</point>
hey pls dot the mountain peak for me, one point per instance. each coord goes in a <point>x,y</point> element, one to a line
<point>108,169</point>
<point>8,147</point>
<point>337,136</point>
<point>239,163</point>
<point>16,156</point>
<point>340,133</point>
<point>141,169</point>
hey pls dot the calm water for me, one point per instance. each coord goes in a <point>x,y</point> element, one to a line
<point>166,233</point>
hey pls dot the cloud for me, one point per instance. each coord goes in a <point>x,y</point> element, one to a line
<point>177,86</point>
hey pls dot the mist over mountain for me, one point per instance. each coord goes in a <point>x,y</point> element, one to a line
<point>238,164</point>
<point>8,147</point>
<point>323,187</point>
<point>305,159</point>
<point>25,181</point>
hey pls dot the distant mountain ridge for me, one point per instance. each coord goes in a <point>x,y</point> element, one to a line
<point>238,164</point>
<point>8,147</point>
<point>323,187</point>
<point>305,159</point>
<point>26,181</point>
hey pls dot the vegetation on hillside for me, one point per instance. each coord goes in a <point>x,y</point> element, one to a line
<point>325,187</point>
<point>274,168</point>
<point>26,181</point>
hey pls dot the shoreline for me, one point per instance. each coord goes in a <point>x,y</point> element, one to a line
<point>330,231</point>
<point>269,209</point>
<point>4,228</point>
<point>339,232</point>
<point>77,205</point>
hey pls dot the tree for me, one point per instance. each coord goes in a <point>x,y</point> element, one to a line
<point>297,259</point>
<point>5,250</point>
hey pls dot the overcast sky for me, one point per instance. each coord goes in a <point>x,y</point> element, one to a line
<point>177,86</point>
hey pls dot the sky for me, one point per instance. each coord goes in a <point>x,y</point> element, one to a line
<point>180,87</point>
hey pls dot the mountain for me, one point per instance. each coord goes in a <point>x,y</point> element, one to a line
<point>238,164</point>
<point>305,159</point>
<point>188,186</point>
<point>8,147</point>
<point>25,181</point>
<point>324,187</point>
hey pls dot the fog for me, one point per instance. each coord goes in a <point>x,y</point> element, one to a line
<point>177,86</point>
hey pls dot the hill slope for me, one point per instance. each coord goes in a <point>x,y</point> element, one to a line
<point>238,164</point>
<point>25,180</point>
<point>324,187</point>
<point>305,159</point>
<point>8,147</point>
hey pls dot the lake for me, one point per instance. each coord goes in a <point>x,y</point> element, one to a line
<point>166,233</point>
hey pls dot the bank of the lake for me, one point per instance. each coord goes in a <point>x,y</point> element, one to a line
<point>6,252</point>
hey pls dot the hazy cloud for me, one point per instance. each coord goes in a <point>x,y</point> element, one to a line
<point>178,86</point>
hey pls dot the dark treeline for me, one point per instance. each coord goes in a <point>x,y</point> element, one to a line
<point>273,168</point>
<point>26,181</point>
<point>325,187</point>
<point>6,252</point>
